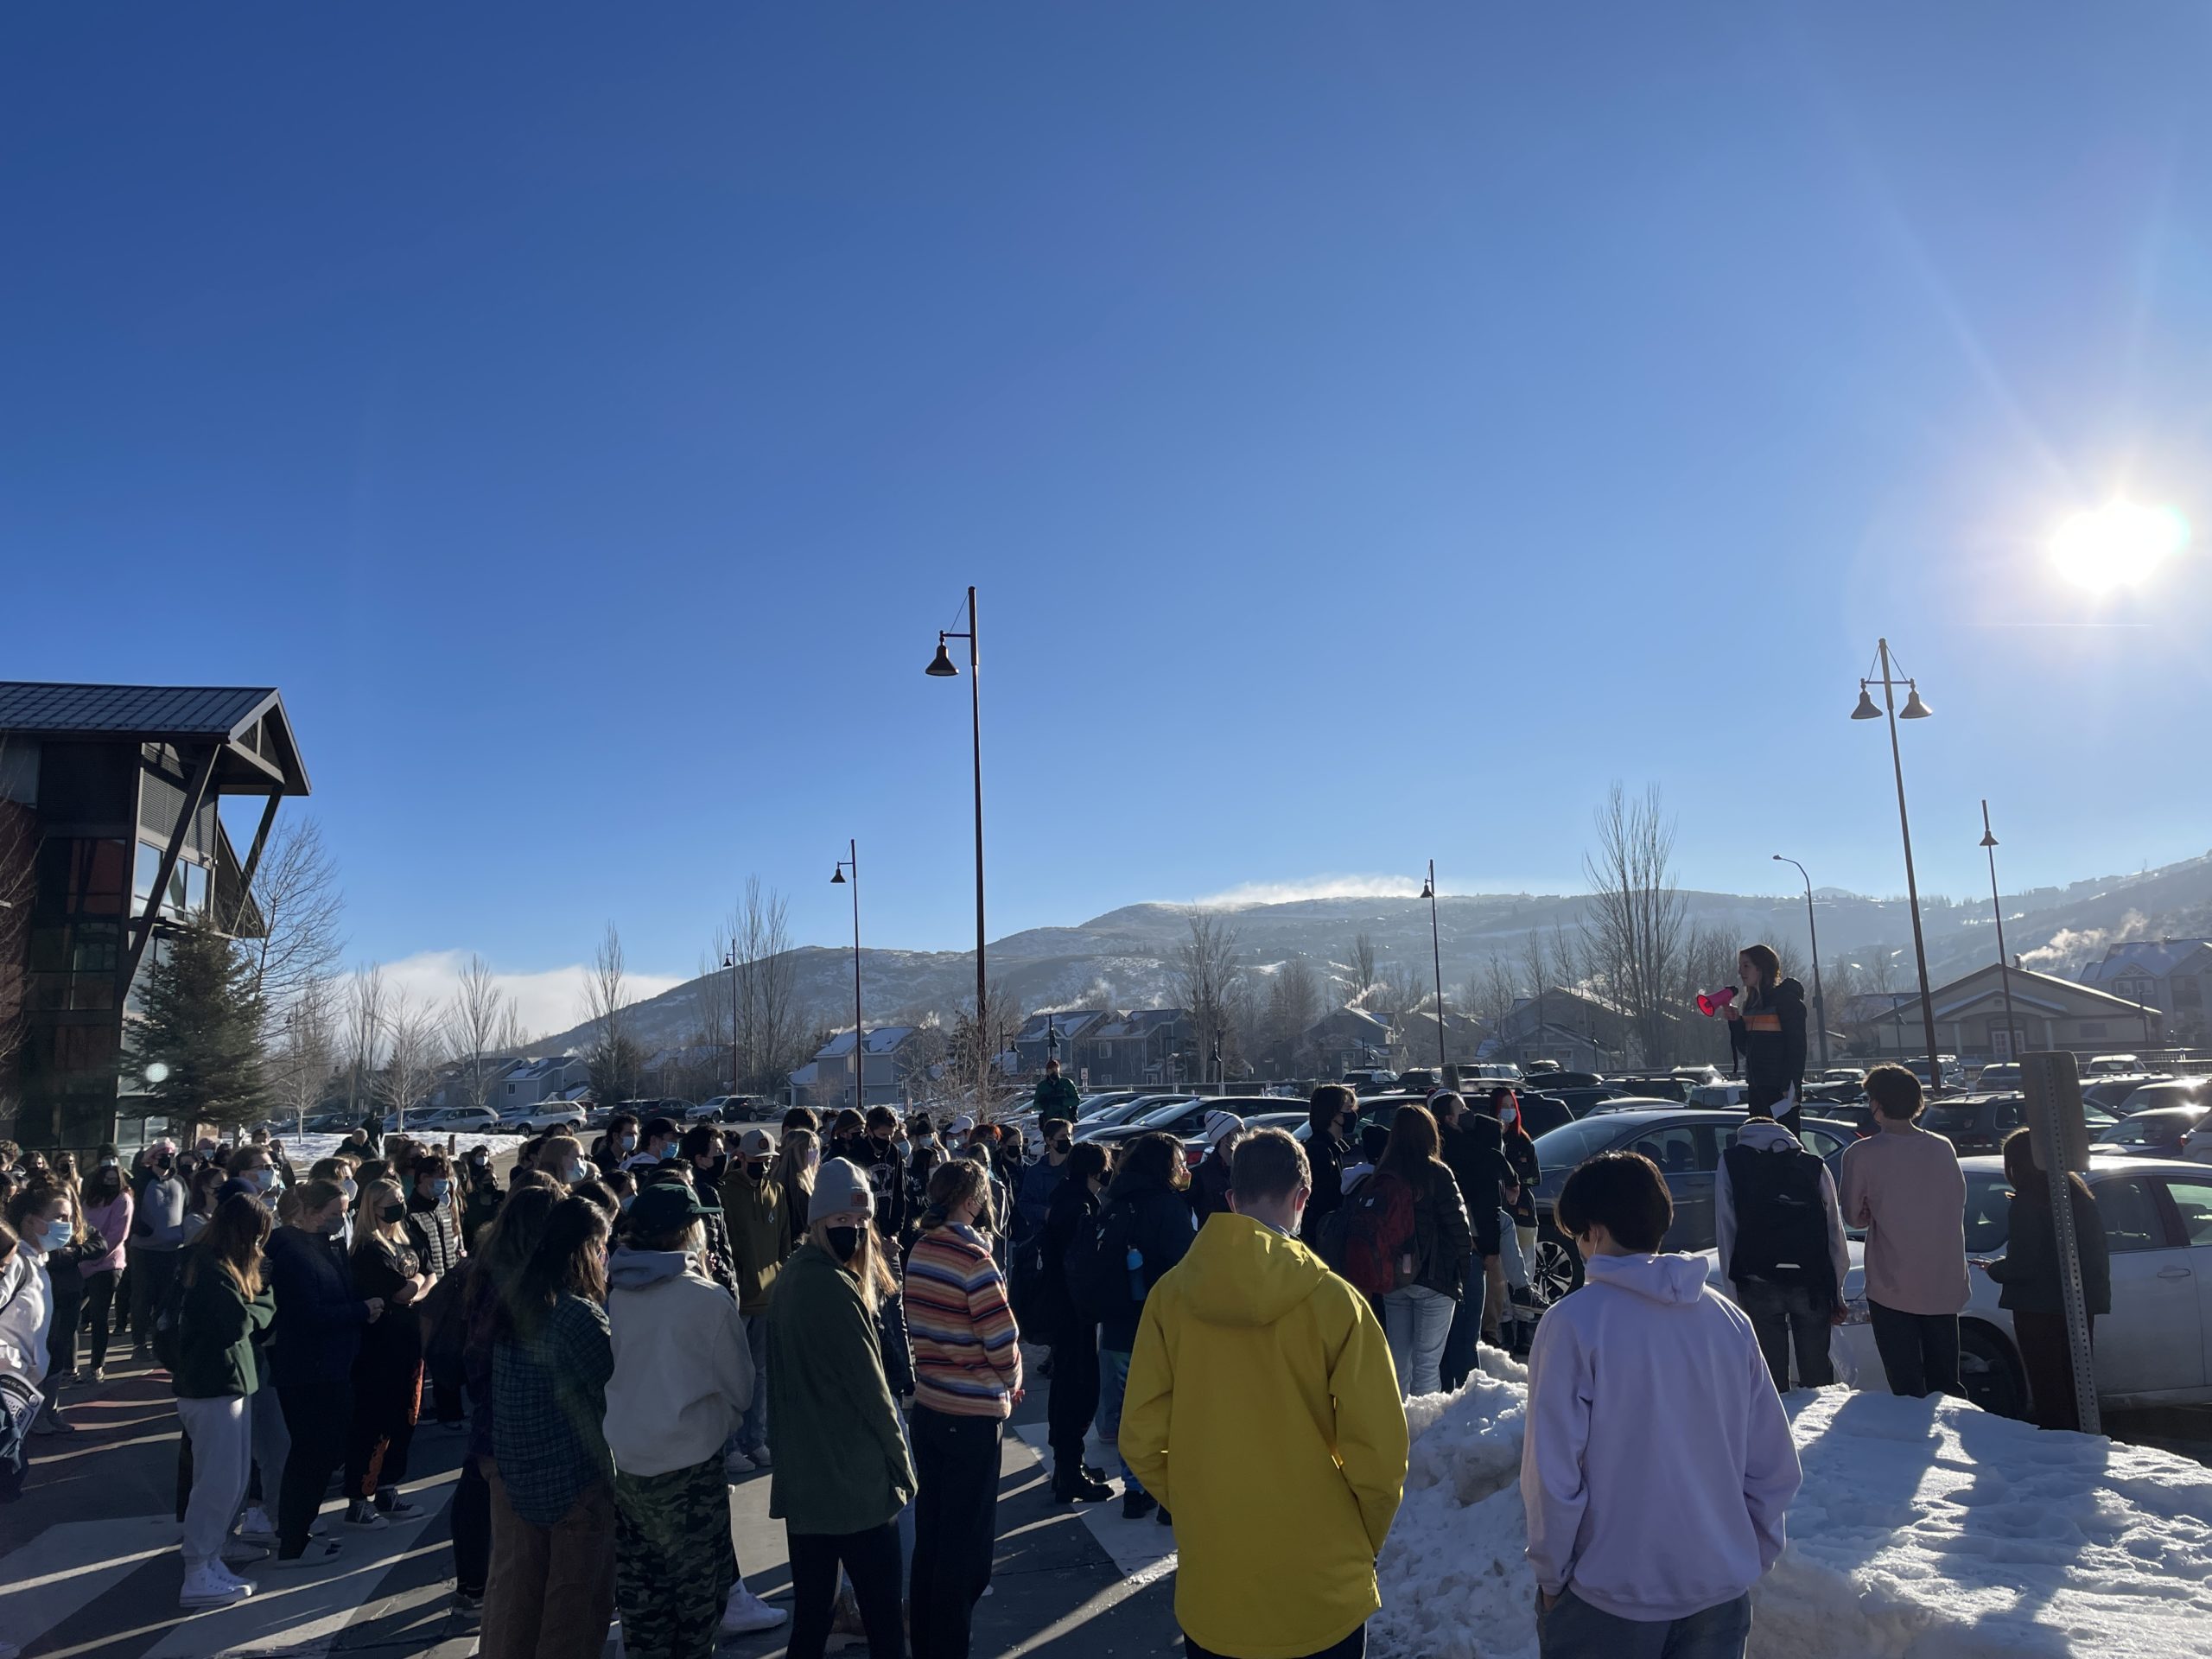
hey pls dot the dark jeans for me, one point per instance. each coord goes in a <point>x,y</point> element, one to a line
<point>2047,1355</point>
<point>956,1523</point>
<point>99,1297</point>
<point>1575,1630</point>
<point>871,1560</point>
<point>61,1336</point>
<point>1920,1351</point>
<point>1787,1316</point>
<point>317,1417</point>
<point>471,1519</point>
<point>385,1404</point>
<point>150,1274</point>
<point>1073,1401</point>
<point>1352,1647</point>
<point>1466,1327</point>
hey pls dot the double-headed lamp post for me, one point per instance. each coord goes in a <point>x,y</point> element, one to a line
<point>1820,1002</point>
<point>1914,709</point>
<point>942,667</point>
<point>1436,961</point>
<point>860,1031</point>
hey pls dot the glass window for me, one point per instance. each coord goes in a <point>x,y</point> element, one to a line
<point>1820,1142</point>
<point>148,866</point>
<point>1571,1143</point>
<point>195,888</point>
<point>1674,1149</point>
<point>2193,1198</point>
<point>2131,1216</point>
<point>2010,1114</point>
<point>1989,1204</point>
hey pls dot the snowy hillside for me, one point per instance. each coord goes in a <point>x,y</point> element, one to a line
<point>1926,1529</point>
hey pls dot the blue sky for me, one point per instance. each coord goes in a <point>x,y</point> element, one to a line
<point>1373,429</point>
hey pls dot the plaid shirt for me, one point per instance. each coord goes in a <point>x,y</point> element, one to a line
<point>548,1405</point>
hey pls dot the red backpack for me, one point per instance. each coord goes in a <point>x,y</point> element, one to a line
<point>1371,1242</point>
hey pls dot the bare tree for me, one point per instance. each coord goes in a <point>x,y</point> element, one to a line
<point>771,1027</point>
<point>711,1015</point>
<point>1489,993</point>
<point>478,1017</point>
<point>1708,962</point>
<point>365,1031</point>
<point>296,891</point>
<point>1207,974</point>
<point>975,1043</point>
<point>304,1053</point>
<point>1293,1005</point>
<point>1362,968</point>
<point>1634,924</point>
<point>414,1049</point>
<point>613,1060</point>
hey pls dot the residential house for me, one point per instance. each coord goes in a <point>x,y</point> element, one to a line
<point>1580,1029</point>
<point>1141,1048</point>
<point>456,1086</point>
<point>2048,1013</point>
<point>885,1059</point>
<point>1860,1016</point>
<point>558,1077</point>
<point>1034,1043</point>
<point>1349,1038</point>
<point>1417,1038</point>
<point>2172,975</point>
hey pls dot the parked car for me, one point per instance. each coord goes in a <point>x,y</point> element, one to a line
<point>460,1120</point>
<point>1635,1103</point>
<point>2112,1065</point>
<point>1686,1145</point>
<point>2110,1092</point>
<point>1552,1082</point>
<point>1580,1099</point>
<point>1183,1117</point>
<point>1090,1105</point>
<point>2162,1132</point>
<point>734,1108</point>
<point>1721,1097</point>
<point>1998,1075</point>
<point>2173,1091</point>
<point>1370,1080</point>
<point>546,1115</point>
<point>1126,1113</point>
<point>1975,1124</point>
<point>2151,1348</point>
<point>1645,1087</point>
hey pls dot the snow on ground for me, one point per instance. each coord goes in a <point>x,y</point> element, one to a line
<point>1926,1529</point>
<point>304,1149</point>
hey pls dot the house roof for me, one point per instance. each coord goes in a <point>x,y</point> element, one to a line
<point>2044,991</point>
<point>250,721</point>
<point>883,1039</point>
<point>2157,957</point>
<point>1068,1022</point>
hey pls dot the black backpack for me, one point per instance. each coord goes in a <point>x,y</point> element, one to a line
<point>167,1337</point>
<point>1782,1228</point>
<point>1098,1263</point>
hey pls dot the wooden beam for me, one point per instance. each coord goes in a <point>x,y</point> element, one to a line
<point>193,796</point>
<point>252,862</point>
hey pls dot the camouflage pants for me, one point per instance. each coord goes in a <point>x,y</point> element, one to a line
<point>674,1563</point>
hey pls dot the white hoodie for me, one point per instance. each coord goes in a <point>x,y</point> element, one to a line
<point>1658,1463</point>
<point>682,1374</point>
<point>1763,1134</point>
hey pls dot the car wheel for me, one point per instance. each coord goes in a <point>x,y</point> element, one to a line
<point>1990,1374</point>
<point>1556,1270</point>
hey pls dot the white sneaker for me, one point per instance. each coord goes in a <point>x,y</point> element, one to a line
<point>747,1612</point>
<point>222,1570</point>
<point>256,1529</point>
<point>203,1588</point>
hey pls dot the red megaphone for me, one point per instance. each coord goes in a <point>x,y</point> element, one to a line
<point>1711,1002</point>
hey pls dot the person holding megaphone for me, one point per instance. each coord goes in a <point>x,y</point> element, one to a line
<point>1766,1035</point>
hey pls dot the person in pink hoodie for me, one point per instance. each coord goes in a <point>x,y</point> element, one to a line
<point>1905,1187</point>
<point>1655,1482</point>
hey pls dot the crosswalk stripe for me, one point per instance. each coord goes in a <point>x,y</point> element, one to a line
<point>1143,1550</point>
<point>70,1566</point>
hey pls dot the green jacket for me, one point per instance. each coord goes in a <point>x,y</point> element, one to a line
<point>841,1462</point>
<point>215,1327</point>
<point>1057,1097</point>
<point>759,1237</point>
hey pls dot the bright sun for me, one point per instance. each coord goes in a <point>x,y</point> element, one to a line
<point>2119,546</point>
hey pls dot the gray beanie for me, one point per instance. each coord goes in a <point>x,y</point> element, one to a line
<point>841,1195</point>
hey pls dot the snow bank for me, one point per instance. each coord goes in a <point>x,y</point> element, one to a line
<point>1926,1529</point>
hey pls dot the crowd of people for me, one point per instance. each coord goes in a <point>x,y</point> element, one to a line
<point>621,1332</point>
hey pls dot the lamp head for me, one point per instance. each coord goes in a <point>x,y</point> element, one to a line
<point>837,877</point>
<point>1988,838</point>
<point>1914,708</point>
<point>1428,889</point>
<point>941,667</point>
<point>1867,708</point>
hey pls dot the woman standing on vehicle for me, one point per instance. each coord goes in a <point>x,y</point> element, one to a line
<point>1766,1035</point>
<point>2030,1273</point>
<point>842,1470</point>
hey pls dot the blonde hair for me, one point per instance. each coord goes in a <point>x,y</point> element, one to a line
<point>868,1265</point>
<point>952,1184</point>
<point>369,1223</point>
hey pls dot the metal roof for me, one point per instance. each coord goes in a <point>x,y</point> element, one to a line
<point>130,710</point>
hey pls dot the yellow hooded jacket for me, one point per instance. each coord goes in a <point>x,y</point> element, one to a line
<point>1263,1410</point>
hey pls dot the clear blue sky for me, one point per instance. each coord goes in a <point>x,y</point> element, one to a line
<point>1373,429</point>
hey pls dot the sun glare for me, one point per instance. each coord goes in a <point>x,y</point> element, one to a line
<point>2119,546</point>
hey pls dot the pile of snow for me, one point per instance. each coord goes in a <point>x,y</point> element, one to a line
<point>1926,1529</point>
<point>304,1149</point>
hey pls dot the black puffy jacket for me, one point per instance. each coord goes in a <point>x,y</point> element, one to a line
<point>1474,1151</point>
<point>1768,1038</point>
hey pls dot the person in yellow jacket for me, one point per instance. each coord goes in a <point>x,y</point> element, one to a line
<point>1263,1410</point>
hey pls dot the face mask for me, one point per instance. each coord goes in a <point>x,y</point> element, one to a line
<point>441,1186</point>
<point>333,1227</point>
<point>628,1142</point>
<point>843,1241</point>
<point>575,1173</point>
<point>392,1212</point>
<point>1507,1114</point>
<point>904,1147</point>
<point>628,1199</point>
<point>668,1154</point>
<point>58,1232</point>
<point>480,1160</point>
<point>263,1178</point>
<point>756,1172</point>
<point>349,1189</point>
<point>717,1164</point>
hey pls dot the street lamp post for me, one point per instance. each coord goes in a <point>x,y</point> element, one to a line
<point>2004,962</point>
<point>942,667</point>
<point>729,961</point>
<point>1820,1002</point>
<point>1914,709</point>
<point>860,1030</point>
<point>1436,961</point>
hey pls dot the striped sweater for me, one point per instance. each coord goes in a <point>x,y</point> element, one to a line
<point>967,1357</point>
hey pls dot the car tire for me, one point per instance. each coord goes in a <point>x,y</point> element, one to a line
<point>1990,1372</point>
<point>1557,1268</point>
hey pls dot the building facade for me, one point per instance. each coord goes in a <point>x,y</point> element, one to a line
<point>2047,1012</point>
<point>2172,975</point>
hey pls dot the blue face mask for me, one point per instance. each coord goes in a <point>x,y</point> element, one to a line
<point>264,1179</point>
<point>628,1142</point>
<point>58,1232</point>
<point>441,1186</point>
<point>575,1173</point>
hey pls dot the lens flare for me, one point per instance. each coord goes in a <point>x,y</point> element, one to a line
<point>2119,546</point>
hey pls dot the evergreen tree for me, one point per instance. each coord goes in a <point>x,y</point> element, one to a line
<point>197,1040</point>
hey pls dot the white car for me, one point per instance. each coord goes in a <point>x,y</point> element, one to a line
<point>460,1120</point>
<point>2150,1350</point>
<point>1721,1096</point>
<point>546,1115</point>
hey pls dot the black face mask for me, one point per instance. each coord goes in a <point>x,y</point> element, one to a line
<point>843,1242</point>
<point>392,1212</point>
<point>715,1165</point>
<point>756,1172</point>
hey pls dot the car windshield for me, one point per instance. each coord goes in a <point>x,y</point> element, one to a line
<point>1949,1120</point>
<point>1988,1203</point>
<point>1569,1144</point>
<point>1167,1113</point>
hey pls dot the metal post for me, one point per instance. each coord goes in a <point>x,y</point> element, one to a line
<point>2054,1090</point>
<point>1436,960</point>
<point>1813,928</point>
<point>733,1014</point>
<point>975,715</point>
<point>1912,884</point>
<point>2004,962</point>
<point>860,1030</point>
